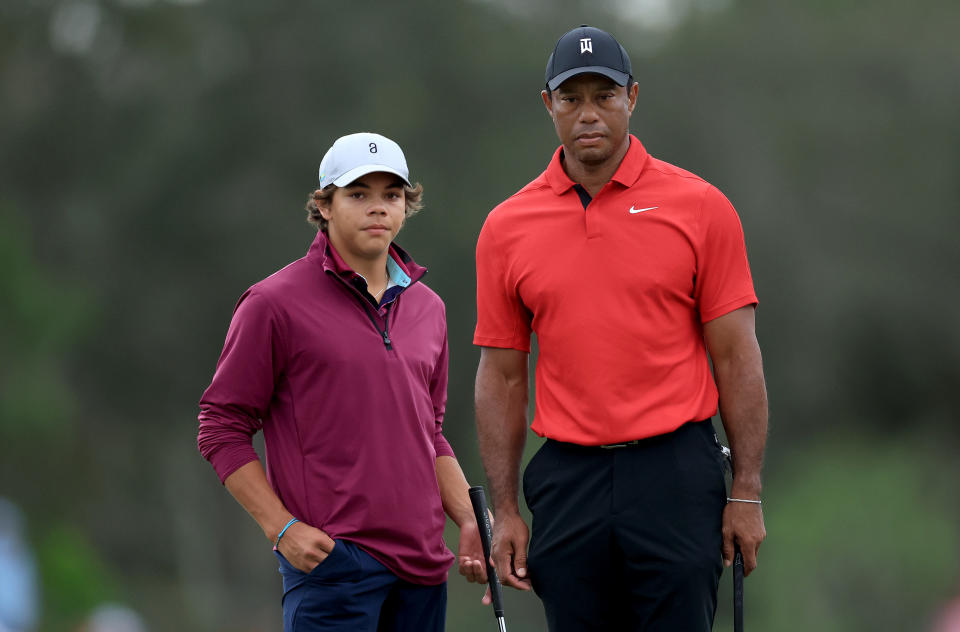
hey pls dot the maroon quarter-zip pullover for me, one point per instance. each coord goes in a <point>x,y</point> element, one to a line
<point>350,397</point>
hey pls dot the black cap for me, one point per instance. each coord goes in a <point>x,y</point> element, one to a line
<point>587,49</point>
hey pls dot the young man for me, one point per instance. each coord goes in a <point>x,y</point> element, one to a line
<point>629,270</point>
<point>341,359</point>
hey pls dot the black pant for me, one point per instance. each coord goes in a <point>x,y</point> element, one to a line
<point>628,538</point>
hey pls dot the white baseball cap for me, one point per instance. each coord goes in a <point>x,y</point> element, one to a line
<point>355,155</point>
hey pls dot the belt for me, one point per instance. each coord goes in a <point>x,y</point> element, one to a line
<point>625,444</point>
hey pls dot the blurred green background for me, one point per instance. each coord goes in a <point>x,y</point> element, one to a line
<point>155,157</point>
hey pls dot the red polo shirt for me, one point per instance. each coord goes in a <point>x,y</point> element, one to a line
<point>617,294</point>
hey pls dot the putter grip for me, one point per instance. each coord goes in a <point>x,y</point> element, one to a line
<point>737,590</point>
<point>479,501</point>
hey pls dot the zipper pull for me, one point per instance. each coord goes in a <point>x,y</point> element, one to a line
<point>386,340</point>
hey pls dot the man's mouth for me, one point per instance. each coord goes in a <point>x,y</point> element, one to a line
<point>590,138</point>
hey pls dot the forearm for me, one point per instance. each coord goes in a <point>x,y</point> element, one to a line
<point>501,411</point>
<point>250,488</point>
<point>454,490</point>
<point>743,410</point>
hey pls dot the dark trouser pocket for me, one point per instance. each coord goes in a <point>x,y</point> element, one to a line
<point>339,565</point>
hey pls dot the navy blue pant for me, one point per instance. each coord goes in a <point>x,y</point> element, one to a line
<point>350,591</point>
<point>628,538</point>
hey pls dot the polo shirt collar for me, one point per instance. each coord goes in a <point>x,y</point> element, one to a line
<point>626,174</point>
<point>396,275</point>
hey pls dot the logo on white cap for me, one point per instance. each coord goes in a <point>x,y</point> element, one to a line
<point>586,45</point>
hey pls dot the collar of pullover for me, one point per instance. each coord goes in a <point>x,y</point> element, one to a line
<point>330,260</point>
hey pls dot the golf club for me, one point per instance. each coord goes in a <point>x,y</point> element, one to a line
<point>737,590</point>
<point>479,501</point>
<point>737,564</point>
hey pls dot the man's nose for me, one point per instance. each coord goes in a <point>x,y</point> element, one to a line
<point>588,113</point>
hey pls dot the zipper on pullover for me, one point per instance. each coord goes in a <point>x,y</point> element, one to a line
<point>365,306</point>
<point>386,323</point>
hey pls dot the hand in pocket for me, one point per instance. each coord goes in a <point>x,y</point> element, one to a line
<point>305,547</point>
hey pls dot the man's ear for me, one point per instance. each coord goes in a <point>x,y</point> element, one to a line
<point>547,101</point>
<point>632,93</point>
<point>323,205</point>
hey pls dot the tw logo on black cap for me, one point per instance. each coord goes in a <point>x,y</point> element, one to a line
<point>586,49</point>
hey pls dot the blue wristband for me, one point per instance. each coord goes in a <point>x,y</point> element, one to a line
<point>284,530</point>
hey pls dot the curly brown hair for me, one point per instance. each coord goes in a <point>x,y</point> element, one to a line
<point>412,195</point>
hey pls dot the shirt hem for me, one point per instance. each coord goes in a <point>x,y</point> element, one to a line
<point>434,579</point>
<point>501,343</point>
<point>726,308</point>
<point>612,440</point>
<point>225,470</point>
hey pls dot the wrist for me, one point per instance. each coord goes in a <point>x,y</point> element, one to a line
<point>275,526</point>
<point>464,519</point>
<point>283,531</point>
<point>745,501</point>
<point>746,488</point>
<point>506,512</point>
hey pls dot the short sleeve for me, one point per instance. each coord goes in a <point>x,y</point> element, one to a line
<point>502,319</point>
<point>723,282</point>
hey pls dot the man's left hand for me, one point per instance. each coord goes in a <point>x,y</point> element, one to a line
<point>743,524</point>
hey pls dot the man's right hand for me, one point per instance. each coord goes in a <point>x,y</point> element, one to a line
<point>509,551</point>
<point>305,547</point>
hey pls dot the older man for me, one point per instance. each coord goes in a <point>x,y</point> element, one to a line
<point>629,271</point>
